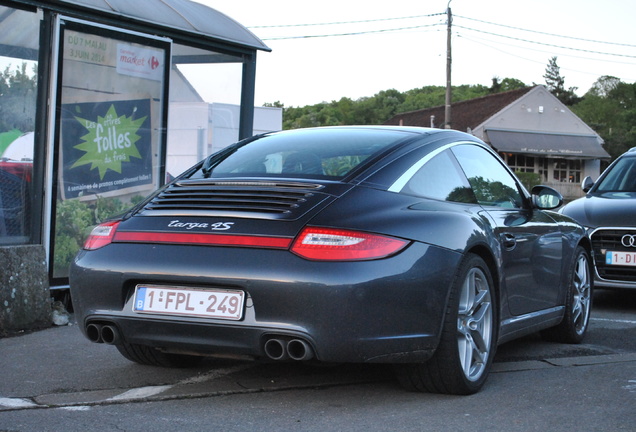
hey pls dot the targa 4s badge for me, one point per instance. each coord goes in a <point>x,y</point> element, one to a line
<point>217,226</point>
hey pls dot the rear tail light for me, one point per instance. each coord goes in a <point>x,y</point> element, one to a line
<point>325,244</point>
<point>101,235</point>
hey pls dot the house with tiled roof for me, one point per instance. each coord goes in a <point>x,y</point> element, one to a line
<point>532,131</point>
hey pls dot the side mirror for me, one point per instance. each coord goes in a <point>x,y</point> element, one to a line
<point>546,198</point>
<point>587,184</point>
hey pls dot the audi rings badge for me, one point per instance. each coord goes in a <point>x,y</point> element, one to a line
<point>629,240</point>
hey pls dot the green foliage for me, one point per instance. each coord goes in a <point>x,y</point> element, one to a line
<point>506,84</point>
<point>609,108</point>
<point>556,84</point>
<point>382,106</point>
<point>528,179</point>
<point>75,220</point>
<point>18,90</point>
<point>6,138</point>
<point>492,192</point>
<point>341,165</point>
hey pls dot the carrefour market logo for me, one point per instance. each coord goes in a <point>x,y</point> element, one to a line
<point>110,141</point>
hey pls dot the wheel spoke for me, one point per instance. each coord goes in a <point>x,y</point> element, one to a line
<point>467,299</point>
<point>478,300</point>
<point>465,353</point>
<point>480,325</point>
<point>473,358</point>
<point>479,343</point>
<point>577,311</point>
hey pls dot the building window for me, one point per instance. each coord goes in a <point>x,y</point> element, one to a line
<point>520,163</point>
<point>544,169</point>
<point>567,170</point>
<point>18,94</point>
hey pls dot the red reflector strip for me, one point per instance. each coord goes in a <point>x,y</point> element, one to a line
<point>202,239</point>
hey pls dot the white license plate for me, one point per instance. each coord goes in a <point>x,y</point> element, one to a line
<point>620,258</point>
<point>208,303</point>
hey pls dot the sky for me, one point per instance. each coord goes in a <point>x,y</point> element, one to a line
<point>370,46</point>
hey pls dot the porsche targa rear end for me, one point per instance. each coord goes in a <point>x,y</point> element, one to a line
<point>347,244</point>
<point>241,262</point>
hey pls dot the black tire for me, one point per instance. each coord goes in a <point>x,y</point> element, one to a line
<point>150,356</point>
<point>468,341</point>
<point>578,303</point>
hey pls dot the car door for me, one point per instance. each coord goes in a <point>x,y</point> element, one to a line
<point>531,242</point>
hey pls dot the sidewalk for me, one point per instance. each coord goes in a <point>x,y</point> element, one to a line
<point>58,367</point>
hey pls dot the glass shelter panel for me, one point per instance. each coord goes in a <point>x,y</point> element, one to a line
<point>18,94</point>
<point>111,119</point>
<point>205,98</point>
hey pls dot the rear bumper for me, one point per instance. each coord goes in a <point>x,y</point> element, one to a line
<point>388,310</point>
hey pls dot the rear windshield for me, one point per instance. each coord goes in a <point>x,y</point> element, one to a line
<point>621,178</point>
<point>311,153</point>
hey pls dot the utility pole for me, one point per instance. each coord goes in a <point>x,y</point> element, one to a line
<point>449,60</point>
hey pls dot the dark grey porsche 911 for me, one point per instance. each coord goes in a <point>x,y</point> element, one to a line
<point>416,247</point>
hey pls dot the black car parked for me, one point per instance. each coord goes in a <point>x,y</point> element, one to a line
<point>608,211</point>
<point>416,247</point>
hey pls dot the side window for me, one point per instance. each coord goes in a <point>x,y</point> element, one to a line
<point>441,178</point>
<point>492,184</point>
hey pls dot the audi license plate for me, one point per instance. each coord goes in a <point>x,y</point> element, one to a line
<point>208,303</point>
<point>620,258</point>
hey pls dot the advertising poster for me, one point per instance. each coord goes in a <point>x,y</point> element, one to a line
<point>106,147</point>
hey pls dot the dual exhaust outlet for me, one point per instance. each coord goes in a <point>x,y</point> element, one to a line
<point>285,349</point>
<point>103,333</point>
<point>278,349</point>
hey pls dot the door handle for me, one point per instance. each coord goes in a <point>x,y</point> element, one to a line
<point>508,240</point>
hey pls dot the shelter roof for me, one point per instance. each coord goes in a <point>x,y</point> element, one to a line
<point>185,16</point>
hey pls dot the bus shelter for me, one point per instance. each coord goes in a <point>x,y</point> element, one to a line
<point>86,90</point>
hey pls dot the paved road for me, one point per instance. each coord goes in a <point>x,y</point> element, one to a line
<point>56,380</point>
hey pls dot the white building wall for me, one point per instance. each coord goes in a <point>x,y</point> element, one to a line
<point>198,129</point>
<point>185,121</point>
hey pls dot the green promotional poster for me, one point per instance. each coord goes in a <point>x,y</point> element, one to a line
<point>106,146</point>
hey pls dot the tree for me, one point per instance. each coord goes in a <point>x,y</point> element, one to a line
<point>604,86</point>
<point>556,84</point>
<point>609,108</point>
<point>380,107</point>
<point>506,84</point>
<point>17,99</point>
<point>276,104</point>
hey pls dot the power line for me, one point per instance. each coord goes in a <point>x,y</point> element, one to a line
<point>406,28</point>
<point>351,33</point>
<point>421,26</point>
<point>489,43</point>
<point>545,44</point>
<point>346,22</point>
<point>547,34</point>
